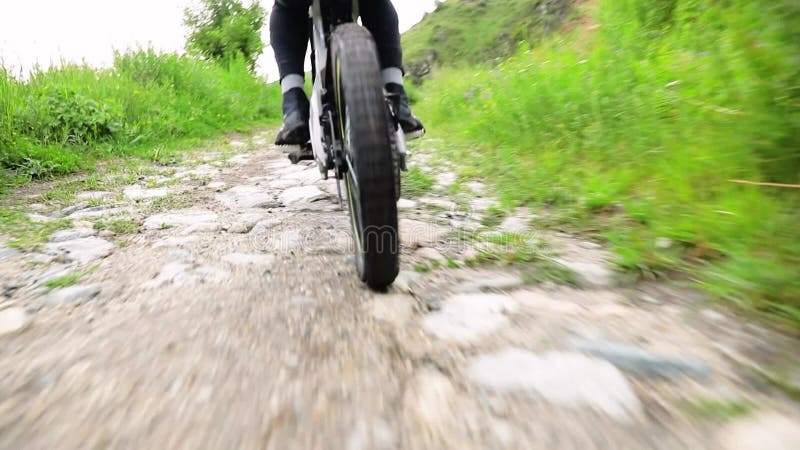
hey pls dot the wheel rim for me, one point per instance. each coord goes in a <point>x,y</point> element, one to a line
<point>353,194</point>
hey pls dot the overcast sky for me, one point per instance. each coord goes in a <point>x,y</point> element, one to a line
<point>47,31</point>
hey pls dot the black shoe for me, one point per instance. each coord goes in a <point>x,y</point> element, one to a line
<point>411,126</point>
<point>295,119</point>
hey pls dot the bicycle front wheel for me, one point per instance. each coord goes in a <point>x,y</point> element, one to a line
<point>363,120</point>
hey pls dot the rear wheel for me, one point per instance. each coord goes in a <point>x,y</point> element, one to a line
<point>370,176</point>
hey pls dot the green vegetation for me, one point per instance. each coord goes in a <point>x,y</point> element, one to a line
<point>715,409</point>
<point>63,281</point>
<point>146,106</point>
<point>118,226</point>
<point>631,126</point>
<point>417,182</point>
<point>221,30</point>
<point>463,32</point>
<point>24,232</point>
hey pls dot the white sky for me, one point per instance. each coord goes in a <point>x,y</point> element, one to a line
<point>45,32</point>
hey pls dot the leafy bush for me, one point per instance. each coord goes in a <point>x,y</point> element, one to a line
<point>61,119</point>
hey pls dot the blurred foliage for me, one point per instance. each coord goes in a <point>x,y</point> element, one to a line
<point>630,124</point>
<point>220,30</point>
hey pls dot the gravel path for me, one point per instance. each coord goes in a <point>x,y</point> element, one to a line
<point>234,319</point>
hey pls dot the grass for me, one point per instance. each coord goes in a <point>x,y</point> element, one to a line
<point>417,182</point>
<point>716,409</point>
<point>148,106</point>
<point>632,131</point>
<point>63,281</point>
<point>23,232</point>
<point>119,226</point>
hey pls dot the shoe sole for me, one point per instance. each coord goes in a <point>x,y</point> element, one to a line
<point>415,134</point>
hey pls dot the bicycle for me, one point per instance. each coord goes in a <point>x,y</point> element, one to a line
<point>355,133</point>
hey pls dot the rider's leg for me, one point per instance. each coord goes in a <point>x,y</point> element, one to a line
<point>289,36</point>
<point>380,18</point>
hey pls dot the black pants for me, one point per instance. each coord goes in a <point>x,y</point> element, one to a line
<point>290,32</point>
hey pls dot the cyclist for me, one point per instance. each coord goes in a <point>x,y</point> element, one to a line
<point>290,33</point>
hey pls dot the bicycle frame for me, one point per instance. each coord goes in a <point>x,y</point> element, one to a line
<point>326,15</point>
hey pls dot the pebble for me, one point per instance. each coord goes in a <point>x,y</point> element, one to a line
<point>406,204</point>
<point>247,196</point>
<point>94,195</point>
<point>395,309</point>
<point>185,217</point>
<point>8,252</point>
<point>435,202</point>
<point>407,281</point>
<point>516,225</point>
<point>182,274</point>
<point>139,193</point>
<point>430,254</point>
<point>74,208</point>
<point>567,379</point>
<point>468,317</point>
<point>13,320</point>
<point>591,273</point>
<point>72,295</point>
<point>98,211</point>
<point>249,259</point>
<point>72,234</point>
<point>486,282</point>
<point>643,362</point>
<point>302,194</point>
<point>83,250</point>
<point>415,233</point>
<point>764,431</point>
<point>217,185</point>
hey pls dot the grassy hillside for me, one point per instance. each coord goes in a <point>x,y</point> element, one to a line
<point>470,32</point>
<point>61,120</point>
<point>631,127</point>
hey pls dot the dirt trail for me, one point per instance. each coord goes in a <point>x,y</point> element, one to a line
<point>234,319</point>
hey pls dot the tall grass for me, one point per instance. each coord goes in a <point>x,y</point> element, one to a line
<point>636,129</point>
<point>62,119</point>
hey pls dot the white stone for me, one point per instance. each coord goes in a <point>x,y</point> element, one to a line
<point>249,259</point>
<point>468,317</point>
<point>405,204</point>
<point>184,217</point>
<point>13,320</point>
<point>94,195</point>
<point>38,218</point>
<point>302,194</point>
<point>407,281</point>
<point>139,193</point>
<point>182,274</point>
<point>247,196</point>
<point>491,281</point>
<point>415,233</point>
<point>98,211</point>
<point>73,295</point>
<point>430,254</point>
<point>175,241</point>
<point>514,224</point>
<point>394,309</point>
<point>566,379</point>
<point>764,431</point>
<point>217,185</point>
<point>438,203</point>
<point>83,250</point>
<point>203,227</point>
<point>445,179</point>
<point>594,273</point>
<point>239,159</point>
<point>71,234</point>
